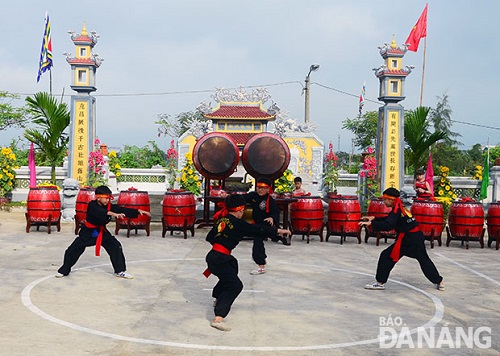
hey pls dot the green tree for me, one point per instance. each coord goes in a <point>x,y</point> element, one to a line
<point>418,137</point>
<point>364,129</point>
<point>9,115</point>
<point>145,157</point>
<point>441,118</point>
<point>449,156</point>
<point>52,119</point>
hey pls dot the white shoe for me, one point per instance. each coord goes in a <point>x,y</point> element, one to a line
<point>60,275</point>
<point>375,286</point>
<point>258,271</point>
<point>220,326</point>
<point>124,274</point>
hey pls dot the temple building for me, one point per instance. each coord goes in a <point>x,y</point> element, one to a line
<point>241,116</point>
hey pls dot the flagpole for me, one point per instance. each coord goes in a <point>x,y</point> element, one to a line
<point>50,76</point>
<point>423,72</point>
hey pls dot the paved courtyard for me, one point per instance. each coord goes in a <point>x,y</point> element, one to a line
<point>310,302</point>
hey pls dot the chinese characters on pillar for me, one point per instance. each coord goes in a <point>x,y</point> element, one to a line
<point>392,150</point>
<point>80,152</point>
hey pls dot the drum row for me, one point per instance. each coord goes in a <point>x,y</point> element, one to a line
<point>466,219</point>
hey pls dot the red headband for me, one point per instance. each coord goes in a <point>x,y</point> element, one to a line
<point>104,196</point>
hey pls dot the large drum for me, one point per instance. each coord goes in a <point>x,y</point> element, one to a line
<point>266,155</point>
<point>307,216</point>
<point>378,209</point>
<point>493,222</point>
<point>85,195</point>
<point>43,208</point>
<point>134,199</point>
<point>216,155</point>
<point>344,215</point>
<point>466,222</point>
<point>430,217</point>
<point>179,212</point>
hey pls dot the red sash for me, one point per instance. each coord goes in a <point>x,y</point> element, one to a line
<point>218,248</point>
<point>396,251</point>
<point>98,241</point>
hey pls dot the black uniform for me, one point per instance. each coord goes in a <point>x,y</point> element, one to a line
<point>412,246</point>
<point>228,232</point>
<point>97,215</point>
<point>259,213</point>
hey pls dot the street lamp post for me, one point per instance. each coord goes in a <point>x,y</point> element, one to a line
<point>312,68</point>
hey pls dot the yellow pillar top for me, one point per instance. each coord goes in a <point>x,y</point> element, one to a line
<point>393,43</point>
<point>84,30</point>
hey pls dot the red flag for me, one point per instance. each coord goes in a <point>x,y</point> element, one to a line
<point>418,31</point>
<point>429,174</point>
<point>32,165</point>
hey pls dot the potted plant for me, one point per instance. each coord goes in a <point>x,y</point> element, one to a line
<point>189,179</point>
<point>283,186</point>
<point>8,163</point>
<point>114,165</point>
<point>171,168</point>
<point>330,173</point>
<point>97,173</point>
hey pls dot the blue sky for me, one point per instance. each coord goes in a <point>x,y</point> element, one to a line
<point>160,52</point>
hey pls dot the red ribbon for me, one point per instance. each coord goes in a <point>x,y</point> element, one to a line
<point>396,251</point>
<point>218,248</point>
<point>98,241</point>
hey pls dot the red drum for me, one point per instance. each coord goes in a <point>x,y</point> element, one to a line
<point>216,155</point>
<point>85,195</point>
<point>430,218</point>
<point>135,199</point>
<point>43,207</point>
<point>344,214</point>
<point>266,155</point>
<point>307,216</point>
<point>378,209</point>
<point>44,203</point>
<point>179,212</point>
<point>493,222</point>
<point>466,221</point>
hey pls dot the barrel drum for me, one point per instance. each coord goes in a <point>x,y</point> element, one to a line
<point>307,215</point>
<point>85,195</point>
<point>43,208</point>
<point>134,199</point>
<point>466,222</point>
<point>378,209</point>
<point>179,212</point>
<point>266,155</point>
<point>216,155</point>
<point>493,223</point>
<point>344,215</point>
<point>430,218</point>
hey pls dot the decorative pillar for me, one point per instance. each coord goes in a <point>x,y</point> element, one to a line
<point>82,128</point>
<point>390,128</point>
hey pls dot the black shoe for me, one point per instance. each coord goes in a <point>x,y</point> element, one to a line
<point>275,238</point>
<point>287,241</point>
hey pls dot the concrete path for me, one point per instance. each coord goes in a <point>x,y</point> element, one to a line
<point>310,302</point>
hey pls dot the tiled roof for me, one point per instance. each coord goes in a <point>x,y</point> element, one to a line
<point>82,39</point>
<point>81,61</point>
<point>235,111</point>
<point>240,138</point>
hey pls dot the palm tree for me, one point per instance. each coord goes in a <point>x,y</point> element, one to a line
<point>53,118</point>
<point>418,138</point>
